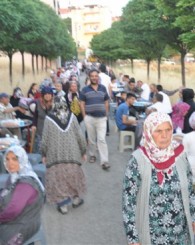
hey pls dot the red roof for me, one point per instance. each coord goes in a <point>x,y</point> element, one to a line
<point>64,11</point>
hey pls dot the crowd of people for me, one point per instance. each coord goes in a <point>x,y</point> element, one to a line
<point>158,195</point>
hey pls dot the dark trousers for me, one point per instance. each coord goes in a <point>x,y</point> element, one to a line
<point>107,126</point>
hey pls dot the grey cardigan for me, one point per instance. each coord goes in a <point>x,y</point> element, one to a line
<point>142,208</point>
<point>62,146</point>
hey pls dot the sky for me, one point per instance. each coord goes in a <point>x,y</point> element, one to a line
<point>115,6</point>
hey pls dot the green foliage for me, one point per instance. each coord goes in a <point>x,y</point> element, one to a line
<point>144,28</point>
<point>32,26</point>
<point>185,20</point>
<point>110,44</point>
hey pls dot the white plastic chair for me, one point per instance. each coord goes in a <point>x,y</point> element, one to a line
<point>130,144</point>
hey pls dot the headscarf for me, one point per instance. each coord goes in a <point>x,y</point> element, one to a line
<point>187,94</point>
<point>25,166</point>
<point>60,112</point>
<point>162,159</point>
<point>17,93</point>
<point>192,121</point>
<point>179,111</point>
<point>46,90</point>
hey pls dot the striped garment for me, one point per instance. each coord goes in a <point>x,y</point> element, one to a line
<point>95,100</point>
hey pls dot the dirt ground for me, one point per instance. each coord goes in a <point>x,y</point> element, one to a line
<point>170,74</point>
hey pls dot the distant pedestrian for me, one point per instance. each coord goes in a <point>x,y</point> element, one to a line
<point>94,107</point>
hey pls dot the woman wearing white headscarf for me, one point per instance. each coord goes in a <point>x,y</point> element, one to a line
<point>189,144</point>
<point>63,146</point>
<point>21,200</point>
<point>158,198</point>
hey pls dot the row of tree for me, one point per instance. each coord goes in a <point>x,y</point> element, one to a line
<point>33,27</point>
<point>145,31</point>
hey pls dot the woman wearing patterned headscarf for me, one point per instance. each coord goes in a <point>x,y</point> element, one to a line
<point>21,200</point>
<point>63,146</point>
<point>158,198</point>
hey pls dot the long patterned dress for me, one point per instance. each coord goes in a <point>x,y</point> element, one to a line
<point>167,220</point>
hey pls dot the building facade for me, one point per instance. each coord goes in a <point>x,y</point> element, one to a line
<point>87,19</point>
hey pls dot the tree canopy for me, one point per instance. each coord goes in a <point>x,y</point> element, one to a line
<point>34,27</point>
<point>146,29</point>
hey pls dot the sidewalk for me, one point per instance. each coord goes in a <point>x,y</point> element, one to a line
<point>99,220</point>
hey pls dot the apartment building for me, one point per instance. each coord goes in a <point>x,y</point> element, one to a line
<point>88,19</point>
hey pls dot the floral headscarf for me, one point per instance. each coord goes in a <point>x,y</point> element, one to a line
<point>25,166</point>
<point>179,111</point>
<point>150,124</point>
<point>162,159</point>
<point>60,112</point>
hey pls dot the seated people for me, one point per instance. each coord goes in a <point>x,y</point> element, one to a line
<point>32,91</point>
<point>145,94</point>
<point>21,200</point>
<point>122,98</point>
<point>166,101</point>
<point>180,110</point>
<point>115,84</point>
<point>125,80</point>
<point>15,101</point>
<point>145,90</point>
<point>7,111</point>
<point>122,114</point>
<point>157,104</point>
<point>153,91</point>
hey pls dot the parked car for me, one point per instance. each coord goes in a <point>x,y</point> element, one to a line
<point>168,62</point>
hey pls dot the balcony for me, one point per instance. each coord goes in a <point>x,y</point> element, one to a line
<point>92,22</point>
<point>91,32</point>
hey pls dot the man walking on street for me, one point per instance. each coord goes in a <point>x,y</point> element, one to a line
<point>95,107</point>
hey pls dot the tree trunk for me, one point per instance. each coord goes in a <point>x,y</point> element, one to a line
<point>42,63</point>
<point>23,65</point>
<point>37,63</point>
<point>46,64</point>
<point>50,65</point>
<point>148,69</point>
<point>132,66</point>
<point>10,55</point>
<point>33,64</point>
<point>183,77</point>
<point>159,71</point>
